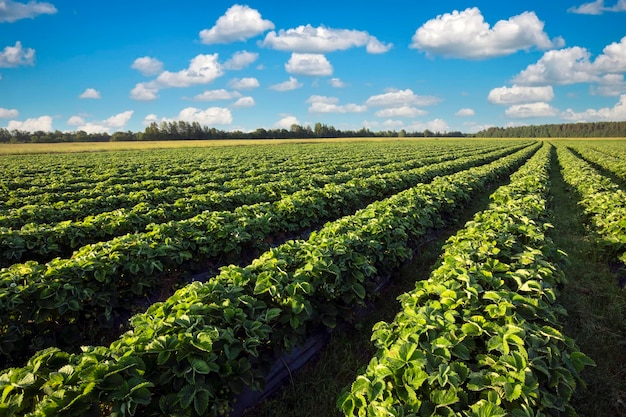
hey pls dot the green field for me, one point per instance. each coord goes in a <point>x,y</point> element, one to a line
<point>161,278</point>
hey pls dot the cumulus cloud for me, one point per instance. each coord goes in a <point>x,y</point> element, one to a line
<point>286,122</point>
<point>202,69</point>
<point>209,116</point>
<point>539,109</point>
<point>436,125</point>
<point>143,92</point>
<point>43,123</point>
<point>597,7</point>
<point>323,104</point>
<point>574,65</point>
<point>309,39</point>
<point>75,121</point>
<point>16,56</point>
<point>466,35</point>
<point>213,95</point>
<point>402,111</point>
<point>399,98</point>
<point>309,64</point>
<point>8,113</point>
<point>147,66</point>
<point>291,84</point>
<point>239,23</point>
<point>606,114</point>
<point>244,83</point>
<point>520,94</point>
<point>244,102</point>
<point>240,60</point>
<point>337,83</point>
<point>465,112</point>
<point>90,93</point>
<point>11,11</point>
<point>116,122</point>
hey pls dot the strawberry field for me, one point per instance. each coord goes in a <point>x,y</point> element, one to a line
<point>168,282</point>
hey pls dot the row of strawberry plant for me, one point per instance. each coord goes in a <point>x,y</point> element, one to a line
<point>191,354</point>
<point>611,163</point>
<point>43,242</point>
<point>603,201</point>
<point>51,207</point>
<point>480,336</point>
<point>74,175</point>
<point>100,281</point>
<point>75,206</point>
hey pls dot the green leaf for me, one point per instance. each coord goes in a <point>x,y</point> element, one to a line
<point>358,290</point>
<point>471,329</point>
<point>200,366</point>
<point>186,395</point>
<point>484,408</point>
<point>201,401</point>
<point>442,398</point>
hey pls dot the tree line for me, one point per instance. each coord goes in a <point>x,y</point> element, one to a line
<point>181,130</point>
<point>567,130</point>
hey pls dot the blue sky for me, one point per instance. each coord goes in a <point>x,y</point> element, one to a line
<point>444,66</point>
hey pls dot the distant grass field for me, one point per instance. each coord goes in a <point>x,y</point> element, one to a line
<point>30,148</point>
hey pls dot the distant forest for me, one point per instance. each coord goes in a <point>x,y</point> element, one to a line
<point>183,130</point>
<point>569,130</point>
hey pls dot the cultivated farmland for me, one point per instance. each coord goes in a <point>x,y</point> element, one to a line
<point>168,281</point>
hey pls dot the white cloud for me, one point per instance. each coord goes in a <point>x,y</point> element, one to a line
<point>244,102</point>
<point>309,64</point>
<point>90,93</point>
<point>202,69</point>
<point>151,118</point>
<point>337,83</point>
<point>210,116</point>
<point>611,85</point>
<point>574,65</point>
<point>615,113</point>
<point>403,111</point>
<point>43,123</point>
<point>117,122</point>
<point>244,83</point>
<point>221,94</point>
<point>75,121</point>
<point>143,92</point>
<point>237,24</point>
<point>286,122</point>
<point>15,56</point>
<point>436,125</point>
<point>393,124</point>
<point>399,98</point>
<point>539,109</point>
<point>240,60</point>
<point>520,94</point>
<point>309,39</point>
<point>323,104</point>
<point>597,7</point>
<point>8,113</point>
<point>10,10</point>
<point>465,112</point>
<point>147,66</point>
<point>291,84</point>
<point>466,35</point>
